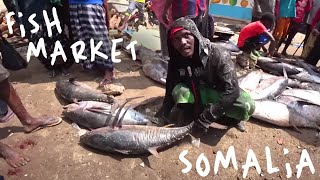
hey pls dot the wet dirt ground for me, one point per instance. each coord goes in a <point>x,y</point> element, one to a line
<point>55,152</point>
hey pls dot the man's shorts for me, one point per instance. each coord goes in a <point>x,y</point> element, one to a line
<point>4,74</point>
<point>252,43</point>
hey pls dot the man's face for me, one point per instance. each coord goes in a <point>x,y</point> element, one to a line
<point>183,42</point>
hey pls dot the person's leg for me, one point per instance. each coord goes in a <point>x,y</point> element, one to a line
<point>163,41</point>
<point>97,30</point>
<point>10,96</point>
<point>131,8</point>
<point>284,33</point>
<point>51,41</point>
<point>80,33</point>
<point>13,158</point>
<point>141,19</point>
<point>293,30</point>
<point>314,54</point>
<point>65,37</point>
<point>309,29</point>
<point>241,110</point>
<point>140,7</point>
<point>106,9</point>
<point>310,44</point>
<point>277,34</point>
<point>183,97</point>
<point>247,59</point>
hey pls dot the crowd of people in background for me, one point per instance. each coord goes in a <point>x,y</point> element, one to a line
<point>291,17</point>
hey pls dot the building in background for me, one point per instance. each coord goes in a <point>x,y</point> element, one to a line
<point>233,9</point>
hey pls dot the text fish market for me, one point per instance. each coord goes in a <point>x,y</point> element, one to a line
<point>58,50</point>
<point>203,164</point>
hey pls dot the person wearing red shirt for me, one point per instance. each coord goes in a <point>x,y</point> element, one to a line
<point>255,35</point>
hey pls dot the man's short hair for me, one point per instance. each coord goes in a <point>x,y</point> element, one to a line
<point>268,17</point>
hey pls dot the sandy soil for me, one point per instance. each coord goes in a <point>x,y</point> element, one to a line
<point>56,153</point>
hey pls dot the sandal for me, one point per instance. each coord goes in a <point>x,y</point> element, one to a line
<point>7,117</point>
<point>47,124</point>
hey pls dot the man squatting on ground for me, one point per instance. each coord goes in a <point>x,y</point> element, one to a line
<point>201,80</point>
<point>30,124</point>
<point>254,36</point>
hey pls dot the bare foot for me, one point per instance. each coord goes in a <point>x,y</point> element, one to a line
<point>108,77</point>
<point>13,158</point>
<point>39,123</point>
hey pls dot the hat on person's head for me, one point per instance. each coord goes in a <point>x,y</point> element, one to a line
<point>175,30</point>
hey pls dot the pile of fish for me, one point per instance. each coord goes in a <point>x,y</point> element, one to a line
<point>278,103</point>
<point>114,128</point>
<point>304,75</point>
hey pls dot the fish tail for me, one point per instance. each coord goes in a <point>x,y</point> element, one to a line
<point>190,126</point>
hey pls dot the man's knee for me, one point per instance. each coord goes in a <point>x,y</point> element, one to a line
<point>182,94</point>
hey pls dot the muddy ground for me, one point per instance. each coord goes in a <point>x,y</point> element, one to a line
<point>56,153</point>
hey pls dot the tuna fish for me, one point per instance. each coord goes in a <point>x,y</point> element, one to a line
<point>305,73</point>
<point>297,114</point>
<point>274,67</point>
<point>309,111</point>
<point>134,139</point>
<point>304,76</point>
<point>156,69</point>
<point>265,76</point>
<point>72,91</point>
<point>304,85</point>
<point>306,95</point>
<point>250,81</point>
<point>300,63</point>
<point>152,65</point>
<point>270,88</point>
<point>93,117</point>
<point>228,45</point>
